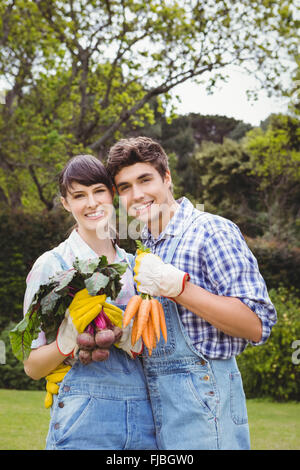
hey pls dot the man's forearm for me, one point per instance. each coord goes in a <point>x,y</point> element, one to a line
<point>228,314</point>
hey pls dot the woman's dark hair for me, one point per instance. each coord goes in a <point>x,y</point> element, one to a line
<point>86,170</point>
<point>140,149</point>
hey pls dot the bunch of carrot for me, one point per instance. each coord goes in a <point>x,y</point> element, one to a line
<point>149,320</point>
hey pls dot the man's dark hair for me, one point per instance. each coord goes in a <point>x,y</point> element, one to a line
<point>133,150</point>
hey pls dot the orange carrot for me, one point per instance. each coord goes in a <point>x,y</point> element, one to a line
<point>154,341</point>
<point>151,335</point>
<point>143,315</point>
<point>145,336</point>
<point>133,331</point>
<point>131,309</point>
<point>162,321</point>
<point>155,317</point>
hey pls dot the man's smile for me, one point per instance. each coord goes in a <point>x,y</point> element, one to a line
<point>140,208</point>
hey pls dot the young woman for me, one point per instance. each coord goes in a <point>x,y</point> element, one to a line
<point>102,405</point>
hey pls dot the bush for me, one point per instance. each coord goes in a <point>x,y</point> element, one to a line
<point>268,370</point>
<point>279,263</point>
<point>12,373</point>
<point>23,238</point>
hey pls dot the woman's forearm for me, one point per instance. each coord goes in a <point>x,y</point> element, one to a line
<point>228,314</point>
<point>42,361</point>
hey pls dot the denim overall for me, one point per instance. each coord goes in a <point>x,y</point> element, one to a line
<point>197,403</point>
<point>103,405</point>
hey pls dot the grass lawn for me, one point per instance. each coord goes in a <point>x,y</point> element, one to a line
<point>24,422</point>
<point>274,426</point>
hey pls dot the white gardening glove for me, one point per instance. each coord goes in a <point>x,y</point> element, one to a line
<point>156,278</point>
<point>125,343</point>
<point>81,312</point>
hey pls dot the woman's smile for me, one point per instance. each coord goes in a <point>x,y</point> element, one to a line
<point>96,214</point>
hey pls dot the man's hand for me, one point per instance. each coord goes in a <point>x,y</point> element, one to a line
<point>82,311</point>
<point>156,278</point>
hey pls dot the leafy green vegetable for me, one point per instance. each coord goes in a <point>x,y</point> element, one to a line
<point>142,247</point>
<point>49,304</point>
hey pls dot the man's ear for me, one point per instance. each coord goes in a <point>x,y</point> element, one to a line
<point>168,178</point>
<point>65,204</point>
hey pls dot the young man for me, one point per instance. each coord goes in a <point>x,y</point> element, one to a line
<point>215,302</point>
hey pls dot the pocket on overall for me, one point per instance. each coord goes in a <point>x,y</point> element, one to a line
<point>203,387</point>
<point>237,399</point>
<point>69,414</point>
<point>87,422</point>
<point>185,418</point>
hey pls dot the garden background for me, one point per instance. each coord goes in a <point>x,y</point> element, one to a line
<point>76,76</point>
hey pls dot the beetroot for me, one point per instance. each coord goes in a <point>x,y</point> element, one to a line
<point>86,340</point>
<point>99,355</point>
<point>97,338</point>
<point>102,321</point>
<point>104,338</point>
<point>85,356</point>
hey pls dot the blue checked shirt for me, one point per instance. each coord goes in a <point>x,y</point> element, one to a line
<point>217,258</point>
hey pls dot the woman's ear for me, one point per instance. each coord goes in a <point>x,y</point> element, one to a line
<point>65,204</point>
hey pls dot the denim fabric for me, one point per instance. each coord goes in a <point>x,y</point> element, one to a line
<point>197,403</point>
<point>103,405</point>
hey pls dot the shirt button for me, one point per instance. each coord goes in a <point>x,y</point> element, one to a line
<point>61,404</point>
<point>56,425</point>
<point>206,377</point>
<point>66,388</point>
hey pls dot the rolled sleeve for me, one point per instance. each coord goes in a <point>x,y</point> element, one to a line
<point>267,315</point>
<point>233,271</point>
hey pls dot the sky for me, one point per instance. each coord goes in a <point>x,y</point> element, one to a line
<point>229,100</point>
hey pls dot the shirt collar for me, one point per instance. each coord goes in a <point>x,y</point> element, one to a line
<point>175,224</point>
<point>82,250</point>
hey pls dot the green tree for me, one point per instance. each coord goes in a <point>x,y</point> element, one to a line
<point>220,180</point>
<point>81,74</point>
<point>275,155</point>
<point>183,136</point>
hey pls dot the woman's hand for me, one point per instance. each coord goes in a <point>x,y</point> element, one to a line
<point>82,311</point>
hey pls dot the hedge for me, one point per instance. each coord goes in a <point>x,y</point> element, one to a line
<point>279,263</point>
<point>23,238</point>
<point>272,370</point>
<point>12,373</point>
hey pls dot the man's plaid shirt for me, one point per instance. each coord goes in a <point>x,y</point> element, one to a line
<point>217,258</point>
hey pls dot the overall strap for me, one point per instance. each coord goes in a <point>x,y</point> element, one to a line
<point>130,259</point>
<point>178,237</point>
<point>62,262</point>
